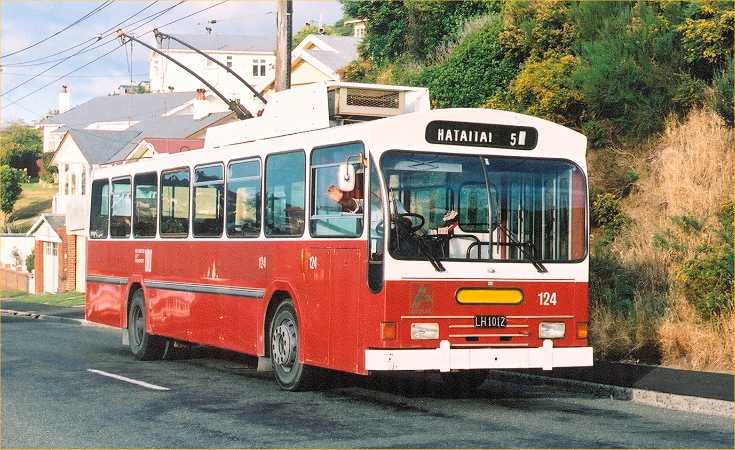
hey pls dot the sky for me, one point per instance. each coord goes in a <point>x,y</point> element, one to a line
<point>25,22</point>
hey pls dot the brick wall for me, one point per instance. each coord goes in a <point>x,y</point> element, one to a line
<point>70,252</point>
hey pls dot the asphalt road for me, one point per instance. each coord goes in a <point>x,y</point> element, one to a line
<point>51,399</point>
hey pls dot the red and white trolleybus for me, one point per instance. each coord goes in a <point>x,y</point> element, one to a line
<point>447,240</point>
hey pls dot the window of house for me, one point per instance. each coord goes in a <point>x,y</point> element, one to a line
<point>84,182</point>
<point>243,199</point>
<point>229,60</point>
<point>175,203</point>
<point>259,67</point>
<point>284,194</point>
<point>73,184</point>
<point>120,208</point>
<point>99,212</point>
<point>209,194</point>
<point>333,212</point>
<point>145,205</point>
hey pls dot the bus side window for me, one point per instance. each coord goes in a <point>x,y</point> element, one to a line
<point>209,194</point>
<point>120,208</point>
<point>99,213</point>
<point>333,212</point>
<point>175,203</point>
<point>243,199</point>
<point>145,205</point>
<point>284,194</point>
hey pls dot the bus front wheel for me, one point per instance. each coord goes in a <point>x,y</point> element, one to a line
<point>284,335</point>
<point>144,346</point>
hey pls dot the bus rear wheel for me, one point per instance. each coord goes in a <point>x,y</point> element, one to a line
<point>144,346</point>
<point>284,348</point>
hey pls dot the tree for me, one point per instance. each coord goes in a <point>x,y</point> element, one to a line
<point>413,27</point>
<point>20,147</point>
<point>707,36</point>
<point>10,189</point>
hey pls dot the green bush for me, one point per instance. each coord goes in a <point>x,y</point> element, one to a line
<point>707,36</point>
<point>723,99</point>
<point>473,72</point>
<point>597,136</point>
<point>20,147</point>
<point>31,261</point>
<point>10,189</point>
<point>687,93</point>
<point>545,89</point>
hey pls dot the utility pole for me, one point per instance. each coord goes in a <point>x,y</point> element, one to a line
<point>284,16</point>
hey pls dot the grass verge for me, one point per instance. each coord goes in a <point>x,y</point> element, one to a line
<point>60,299</point>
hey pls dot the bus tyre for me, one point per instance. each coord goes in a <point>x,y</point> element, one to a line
<point>459,383</point>
<point>290,374</point>
<point>144,346</point>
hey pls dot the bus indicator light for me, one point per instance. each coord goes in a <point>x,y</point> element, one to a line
<point>581,330</point>
<point>387,331</point>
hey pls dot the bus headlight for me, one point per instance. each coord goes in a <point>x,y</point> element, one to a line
<point>551,330</point>
<point>424,331</point>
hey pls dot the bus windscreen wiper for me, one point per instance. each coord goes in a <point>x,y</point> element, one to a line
<point>523,246</point>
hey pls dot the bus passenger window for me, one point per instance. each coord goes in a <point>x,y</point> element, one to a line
<point>175,203</point>
<point>209,194</point>
<point>284,194</point>
<point>99,213</point>
<point>334,212</point>
<point>243,199</point>
<point>120,208</point>
<point>145,204</point>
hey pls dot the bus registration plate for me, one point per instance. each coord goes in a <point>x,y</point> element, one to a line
<point>490,321</point>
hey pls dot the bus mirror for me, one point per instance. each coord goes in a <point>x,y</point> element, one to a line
<point>346,177</point>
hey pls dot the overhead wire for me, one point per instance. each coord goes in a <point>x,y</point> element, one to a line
<point>63,60</point>
<point>107,33</point>
<point>14,101</point>
<point>81,19</point>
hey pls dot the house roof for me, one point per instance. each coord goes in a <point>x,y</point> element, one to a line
<point>334,61</point>
<point>99,146</point>
<point>113,108</point>
<point>345,45</point>
<point>55,222</point>
<point>165,145</point>
<point>221,42</point>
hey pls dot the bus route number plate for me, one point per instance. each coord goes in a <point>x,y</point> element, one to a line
<point>490,321</point>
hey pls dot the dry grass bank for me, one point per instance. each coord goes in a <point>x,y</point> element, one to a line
<point>689,177</point>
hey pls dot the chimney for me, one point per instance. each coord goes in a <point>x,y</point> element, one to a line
<point>64,99</point>
<point>201,106</point>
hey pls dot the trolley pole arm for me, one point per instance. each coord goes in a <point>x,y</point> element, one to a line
<point>229,70</point>
<point>235,106</point>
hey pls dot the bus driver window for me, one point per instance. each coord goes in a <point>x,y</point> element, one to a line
<point>334,212</point>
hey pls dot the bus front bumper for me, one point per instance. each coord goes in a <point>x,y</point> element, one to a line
<point>445,358</point>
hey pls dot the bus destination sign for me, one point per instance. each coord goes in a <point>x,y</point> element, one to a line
<point>481,135</point>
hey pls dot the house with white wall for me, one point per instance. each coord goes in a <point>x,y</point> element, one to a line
<point>251,57</point>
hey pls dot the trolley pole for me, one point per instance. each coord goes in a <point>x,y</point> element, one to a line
<point>284,16</point>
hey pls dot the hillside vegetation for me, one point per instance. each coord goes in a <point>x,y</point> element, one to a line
<point>650,85</point>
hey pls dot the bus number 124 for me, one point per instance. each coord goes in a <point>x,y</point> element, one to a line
<point>547,298</point>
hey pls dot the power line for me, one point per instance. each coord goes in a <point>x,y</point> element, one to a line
<point>106,33</point>
<point>17,74</point>
<point>109,52</point>
<point>81,19</point>
<point>63,60</point>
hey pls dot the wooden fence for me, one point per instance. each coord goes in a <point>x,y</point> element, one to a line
<point>12,280</point>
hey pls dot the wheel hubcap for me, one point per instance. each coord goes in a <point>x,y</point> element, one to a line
<point>138,325</point>
<point>283,344</point>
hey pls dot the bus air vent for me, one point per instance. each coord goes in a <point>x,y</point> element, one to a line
<point>369,102</point>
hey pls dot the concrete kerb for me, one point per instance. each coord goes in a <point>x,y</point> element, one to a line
<point>34,315</point>
<point>676,402</point>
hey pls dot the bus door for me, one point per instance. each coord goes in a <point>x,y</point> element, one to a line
<point>332,265</point>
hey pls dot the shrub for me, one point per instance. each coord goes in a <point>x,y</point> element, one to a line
<point>707,36</point>
<point>10,189</point>
<point>687,93</point>
<point>723,99</point>
<point>20,147</point>
<point>545,89</point>
<point>596,133</point>
<point>31,261</point>
<point>473,72</point>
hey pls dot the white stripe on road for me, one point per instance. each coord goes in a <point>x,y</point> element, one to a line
<point>155,387</point>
